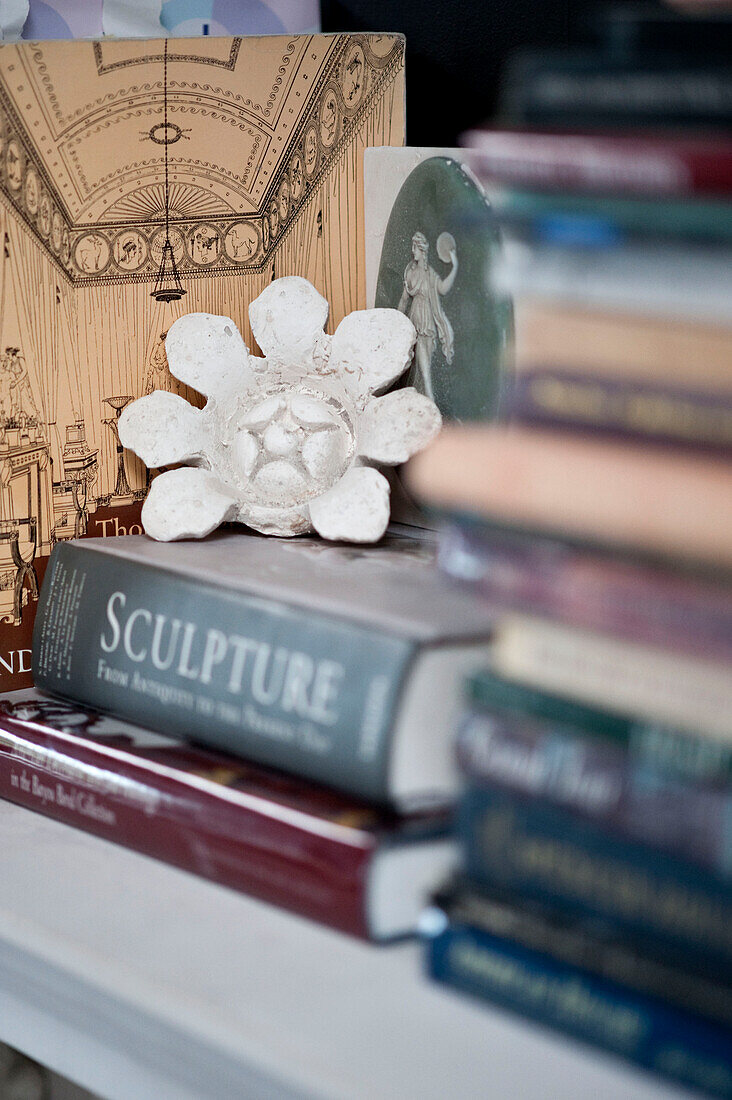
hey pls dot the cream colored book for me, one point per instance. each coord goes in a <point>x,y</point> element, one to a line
<point>623,345</point>
<point>634,498</point>
<point>615,674</point>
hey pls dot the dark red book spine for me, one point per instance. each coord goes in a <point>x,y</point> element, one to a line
<point>585,588</point>
<point>282,855</point>
<point>604,163</point>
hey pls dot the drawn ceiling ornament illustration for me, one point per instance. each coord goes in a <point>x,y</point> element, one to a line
<point>354,76</point>
<point>283,199</point>
<point>241,241</point>
<point>166,133</point>
<point>130,250</point>
<point>97,157</point>
<point>168,286</point>
<point>174,239</point>
<point>310,149</point>
<point>14,165</point>
<point>286,444</point>
<point>57,227</point>
<point>32,191</point>
<point>44,215</point>
<point>92,253</point>
<point>297,181</point>
<point>329,119</point>
<point>204,244</point>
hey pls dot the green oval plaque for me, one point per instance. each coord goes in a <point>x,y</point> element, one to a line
<point>440,242</point>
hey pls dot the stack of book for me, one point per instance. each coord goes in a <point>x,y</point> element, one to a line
<point>594,890</point>
<point>618,250</point>
<point>303,698</point>
<point>596,527</point>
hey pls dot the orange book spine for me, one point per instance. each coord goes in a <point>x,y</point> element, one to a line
<point>651,500</point>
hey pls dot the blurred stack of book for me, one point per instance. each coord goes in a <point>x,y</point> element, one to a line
<point>596,526</point>
<point>612,177</point>
<point>617,248</point>
<point>645,64</point>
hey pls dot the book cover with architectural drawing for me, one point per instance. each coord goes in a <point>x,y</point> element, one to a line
<point>140,180</point>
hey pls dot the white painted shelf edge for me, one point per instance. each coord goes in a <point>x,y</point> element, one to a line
<point>138,980</point>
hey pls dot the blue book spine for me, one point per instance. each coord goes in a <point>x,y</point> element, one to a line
<point>641,1029</point>
<point>600,778</point>
<point>540,852</point>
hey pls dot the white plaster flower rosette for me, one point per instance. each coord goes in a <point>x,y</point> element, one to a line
<point>285,444</point>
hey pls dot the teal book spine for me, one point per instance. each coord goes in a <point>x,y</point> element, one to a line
<point>284,686</point>
<point>643,1030</point>
<point>540,852</point>
<point>599,778</point>
<point>700,219</point>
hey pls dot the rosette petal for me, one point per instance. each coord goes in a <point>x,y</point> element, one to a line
<point>208,354</point>
<point>187,504</point>
<point>163,429</point>
<point>371,348</point>
<point>396,426</point>
<point>356,509</point>
<point>287,320</point>
<point>270,521</point>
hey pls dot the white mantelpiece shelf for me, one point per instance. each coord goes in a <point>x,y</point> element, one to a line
<point>139,981</point>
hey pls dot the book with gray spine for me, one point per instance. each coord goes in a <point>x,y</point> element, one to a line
<point>340,664</point>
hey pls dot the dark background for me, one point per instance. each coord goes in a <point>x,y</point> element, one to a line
<point>455,51</point>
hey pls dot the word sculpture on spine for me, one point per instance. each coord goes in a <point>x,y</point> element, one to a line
<point>286,444</point>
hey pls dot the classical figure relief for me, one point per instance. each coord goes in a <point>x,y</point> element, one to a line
<point>412,195</point>
<point>420,300</point>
